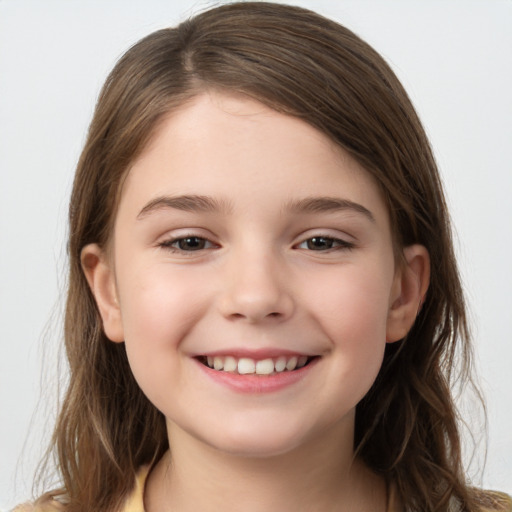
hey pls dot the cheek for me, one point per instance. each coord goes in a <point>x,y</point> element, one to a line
<point>357,307</point>
<point>158,304</point>
<point>159,308</point>
<point>353,315</point>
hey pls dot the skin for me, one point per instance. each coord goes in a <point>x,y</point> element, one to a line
<point>266,276</point>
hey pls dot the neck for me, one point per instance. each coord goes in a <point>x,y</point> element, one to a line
<point>322,476</point>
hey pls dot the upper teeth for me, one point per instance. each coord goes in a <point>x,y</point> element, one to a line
<point>246,365</point>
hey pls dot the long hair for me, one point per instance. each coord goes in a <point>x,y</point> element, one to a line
<point>304,65</point>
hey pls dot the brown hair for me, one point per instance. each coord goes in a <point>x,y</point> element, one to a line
<point>307,66</point>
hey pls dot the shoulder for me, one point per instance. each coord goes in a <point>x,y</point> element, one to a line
<point>493,501</point>
<point>56,502</point>
<point>46,503</point>
<point>485,501</point>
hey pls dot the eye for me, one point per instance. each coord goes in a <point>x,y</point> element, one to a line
<point>324,243</point>
<point>187,244</point>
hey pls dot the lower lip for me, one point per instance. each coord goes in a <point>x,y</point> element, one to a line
<point>258,384</point>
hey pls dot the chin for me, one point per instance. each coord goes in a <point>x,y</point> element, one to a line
<point>256,448</point>
<point>258,439</point>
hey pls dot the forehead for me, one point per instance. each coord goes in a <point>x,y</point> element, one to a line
<point>233,146</point>
<point>233,121</point>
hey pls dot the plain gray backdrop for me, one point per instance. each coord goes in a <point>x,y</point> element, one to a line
<point>453,56</point>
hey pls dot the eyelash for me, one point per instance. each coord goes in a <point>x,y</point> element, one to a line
<point>336,244</point>
<point>170,244</point>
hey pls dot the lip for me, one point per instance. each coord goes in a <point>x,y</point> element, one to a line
<point>257,354</point>
<point>257,384</point>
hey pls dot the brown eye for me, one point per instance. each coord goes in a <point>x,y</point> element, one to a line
<point>325,243</point>
<point>319,243</point>
<point>187,244</point>
<point>190,243</point>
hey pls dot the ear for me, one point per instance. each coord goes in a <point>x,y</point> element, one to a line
<point>409,288</point>
<point>100,276</point>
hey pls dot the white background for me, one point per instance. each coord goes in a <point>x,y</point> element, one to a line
<point>454,58</point>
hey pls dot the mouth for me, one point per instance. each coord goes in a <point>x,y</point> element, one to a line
<point>262,367</point>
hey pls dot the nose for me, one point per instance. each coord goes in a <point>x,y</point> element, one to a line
<point>255,288</point>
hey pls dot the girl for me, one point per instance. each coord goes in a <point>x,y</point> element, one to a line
<point>264,309</point>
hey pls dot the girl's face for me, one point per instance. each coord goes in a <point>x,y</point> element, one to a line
<point>252,278</point>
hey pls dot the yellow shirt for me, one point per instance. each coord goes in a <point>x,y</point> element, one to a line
<point>135,502</point>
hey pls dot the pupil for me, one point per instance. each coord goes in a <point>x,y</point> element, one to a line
<point>319,242</point>
<point>192,243</point>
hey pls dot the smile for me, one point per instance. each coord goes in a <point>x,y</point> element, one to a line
<point>248,366</point>
<point>256,373</point>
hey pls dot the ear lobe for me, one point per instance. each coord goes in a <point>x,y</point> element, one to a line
<point>409,289</point>
<point>100,276</point>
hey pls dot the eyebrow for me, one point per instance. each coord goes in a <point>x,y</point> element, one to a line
<point>187,203</point>
<point>207,204</point>
<point>326,205</point>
